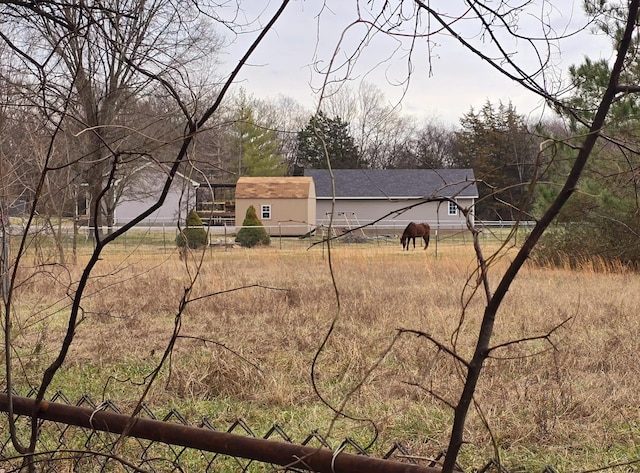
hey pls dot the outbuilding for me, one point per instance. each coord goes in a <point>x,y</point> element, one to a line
<point>286,206</point>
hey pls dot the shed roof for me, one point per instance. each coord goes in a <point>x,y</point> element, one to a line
<point>275,188</point>
<point>394,183</point>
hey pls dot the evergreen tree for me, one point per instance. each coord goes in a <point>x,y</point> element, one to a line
<point>194,235</point>
<point>252,232</point>
<point>602,220</point>
<point>497,145</point>
<point>258,146</point>
<point>324,136</point>
<point>591,78</point>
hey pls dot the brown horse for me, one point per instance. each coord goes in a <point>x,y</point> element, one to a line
<point>414,230</point>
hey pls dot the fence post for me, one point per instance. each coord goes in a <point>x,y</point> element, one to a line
<point>164,238</point>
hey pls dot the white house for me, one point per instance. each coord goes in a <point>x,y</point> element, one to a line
<point>141,193</point>
<point>394,197</point>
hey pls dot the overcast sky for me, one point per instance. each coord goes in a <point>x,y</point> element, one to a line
<point>309,32</point>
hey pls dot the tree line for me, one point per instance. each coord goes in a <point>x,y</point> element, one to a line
<point>356,128</point>
<point>102,124</point>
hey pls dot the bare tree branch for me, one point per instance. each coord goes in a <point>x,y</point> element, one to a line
<point>486,329</point>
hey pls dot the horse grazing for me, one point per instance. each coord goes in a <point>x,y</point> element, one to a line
<point>414,230</point>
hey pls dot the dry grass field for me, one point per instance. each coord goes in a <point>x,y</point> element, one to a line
<point>258,317</point>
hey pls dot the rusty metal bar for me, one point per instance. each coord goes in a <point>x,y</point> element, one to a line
<point>268,451</point>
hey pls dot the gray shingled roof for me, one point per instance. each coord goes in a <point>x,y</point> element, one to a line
<point>394,183</point>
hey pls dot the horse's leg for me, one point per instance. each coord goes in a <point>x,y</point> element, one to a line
<point>414,243</point>
<point>426,241</point>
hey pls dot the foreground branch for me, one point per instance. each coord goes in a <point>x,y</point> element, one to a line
<point>482,349</point>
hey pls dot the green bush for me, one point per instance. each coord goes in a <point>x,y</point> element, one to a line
<point>194,235</point>
<point>603,241</point>
<point>252,232</point>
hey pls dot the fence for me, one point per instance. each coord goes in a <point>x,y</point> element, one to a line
<point>161,239</point>
<point>64,447</point>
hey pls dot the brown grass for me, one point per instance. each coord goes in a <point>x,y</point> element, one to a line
<point>569,400</point>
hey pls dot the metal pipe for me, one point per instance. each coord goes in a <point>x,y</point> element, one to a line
<point>268,451</point>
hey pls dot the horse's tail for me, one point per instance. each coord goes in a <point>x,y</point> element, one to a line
<point>427,235</point>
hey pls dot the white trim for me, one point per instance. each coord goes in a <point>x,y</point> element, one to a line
<point>269,211</point>
<point>452,209</point>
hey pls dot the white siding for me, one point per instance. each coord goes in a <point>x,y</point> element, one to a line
<point>180,200</point>
<point>366,211</point>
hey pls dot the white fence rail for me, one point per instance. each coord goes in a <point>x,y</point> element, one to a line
<point>162,238</point>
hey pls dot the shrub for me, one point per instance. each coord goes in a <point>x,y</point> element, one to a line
<point>610,243</point>
<point>252,232</point>
<point>194,235</point>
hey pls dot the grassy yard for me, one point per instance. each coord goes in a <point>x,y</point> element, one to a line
<point>258,317</point>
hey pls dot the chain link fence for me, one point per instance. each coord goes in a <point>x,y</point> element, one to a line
<point>64,448</point>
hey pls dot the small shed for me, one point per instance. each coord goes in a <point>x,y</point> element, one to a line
<point>285,205</point>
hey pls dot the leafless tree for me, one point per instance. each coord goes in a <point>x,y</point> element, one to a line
<point>89,71</point>
<point>287,118</point>
<point>94,81</point>
<point>499,34</point>
<point>378,128</point>
<point>431,145</point>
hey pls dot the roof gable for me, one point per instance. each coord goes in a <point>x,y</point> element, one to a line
<point>275,188</point>
<point>395,183</point>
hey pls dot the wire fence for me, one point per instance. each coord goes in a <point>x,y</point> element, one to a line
<point>63,447</point>
<point>48,242</point>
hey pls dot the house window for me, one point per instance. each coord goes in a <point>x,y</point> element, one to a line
<point>453,208</point>
<point>265,212</point>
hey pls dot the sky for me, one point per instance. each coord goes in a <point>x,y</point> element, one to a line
<point>443,86</point>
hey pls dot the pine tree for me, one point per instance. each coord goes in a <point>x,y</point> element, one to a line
<point>328,136</point>
<point>194,235</point>
<point>252,232</point>
<point>496,143</point>
<point>602,220</point>
<point>259,146</point>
